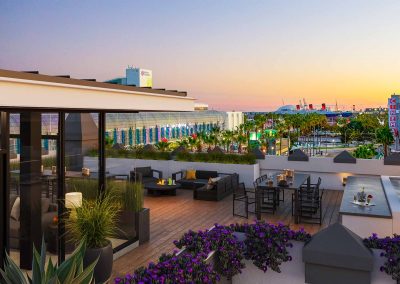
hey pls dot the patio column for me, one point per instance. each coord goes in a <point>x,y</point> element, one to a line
<point>30,186</point>
<point>4,181</point>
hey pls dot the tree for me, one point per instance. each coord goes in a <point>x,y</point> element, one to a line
<point>259,122</point>
<point>384,136</point>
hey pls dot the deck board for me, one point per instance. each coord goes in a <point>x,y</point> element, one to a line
<point>171,216</point>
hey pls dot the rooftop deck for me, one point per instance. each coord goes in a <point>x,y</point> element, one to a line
<point>171,216</point>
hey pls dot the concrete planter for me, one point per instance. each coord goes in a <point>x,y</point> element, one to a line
<point>142,222</point>
<point>127,225</point>
<point>103,268</point>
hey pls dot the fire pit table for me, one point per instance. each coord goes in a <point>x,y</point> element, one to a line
<point>157,189</point>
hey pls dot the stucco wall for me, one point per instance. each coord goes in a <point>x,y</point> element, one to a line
<point>247,173</point>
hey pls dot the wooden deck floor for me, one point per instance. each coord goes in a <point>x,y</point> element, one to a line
<point>171,216</point>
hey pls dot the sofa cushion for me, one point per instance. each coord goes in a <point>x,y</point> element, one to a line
<point>145,171</point>
<point>206,174</point>
<point>15,210</point>
<point>191,174</point>
<point>13,197</point>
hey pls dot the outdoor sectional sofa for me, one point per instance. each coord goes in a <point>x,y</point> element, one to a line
<point>202,190</point>
<point>49,211</point>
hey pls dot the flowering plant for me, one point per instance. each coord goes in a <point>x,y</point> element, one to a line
<point>266,244</point>
<point>171,268</point>
<point>391,247</point>
<point>221,240</point>
<point>162,145</point>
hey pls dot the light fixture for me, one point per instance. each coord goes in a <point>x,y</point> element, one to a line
<point>73,200</point>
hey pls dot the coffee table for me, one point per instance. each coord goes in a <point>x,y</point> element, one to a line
<point>157,189</point>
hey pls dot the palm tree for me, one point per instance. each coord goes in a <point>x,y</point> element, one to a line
<point>248,126</point>
<point>240,139</point>
<point>227,138</point>
<point>259,122</point>
<point>384,136</point>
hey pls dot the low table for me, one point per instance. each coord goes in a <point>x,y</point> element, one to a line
<point>157,189</point>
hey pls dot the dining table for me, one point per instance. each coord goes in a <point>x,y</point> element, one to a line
<point>293,183</point>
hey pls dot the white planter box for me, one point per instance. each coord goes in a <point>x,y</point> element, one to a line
<point>292,272</point>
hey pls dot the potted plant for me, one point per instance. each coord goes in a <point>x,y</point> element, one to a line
<point>142,215</point>
<point>68,272</point>
<point>129,195</point>
<point>133,219</point>
<point>95,222</point>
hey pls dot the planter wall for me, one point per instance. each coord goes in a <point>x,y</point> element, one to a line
<point>247,173</point>
<point>292,272</point>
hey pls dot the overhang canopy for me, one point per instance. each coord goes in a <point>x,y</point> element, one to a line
<point>26,90</point>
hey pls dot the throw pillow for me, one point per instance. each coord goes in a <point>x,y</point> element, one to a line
<point>215,180</point>
<point>210,186</point>
<point>191,174</point>
<point>45,205</point>
<point>15,211</point>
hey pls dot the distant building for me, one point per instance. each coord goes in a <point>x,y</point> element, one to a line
<point>375,110</point>
<point>137,77</point>
<point>200,106</point>
<point>394,117</point>
<point>233,120</point>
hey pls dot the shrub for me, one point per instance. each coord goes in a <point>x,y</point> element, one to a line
<point>266,244</point>
<point>221,240</point>
<point>171,268</point>
<point>69,272</point>
<point>89,187</point>
<point>247,159</point>
<point>391,247</point>
<point>95,221</point>
<point>130,195</point>
<point>365,152</point>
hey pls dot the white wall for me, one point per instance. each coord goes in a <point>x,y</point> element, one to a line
<point>247,173</point>
<point>331,173</point>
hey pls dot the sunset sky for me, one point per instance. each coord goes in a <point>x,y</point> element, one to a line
<point>233,55</point>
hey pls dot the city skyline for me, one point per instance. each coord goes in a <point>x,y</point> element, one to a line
<point>238,55</point>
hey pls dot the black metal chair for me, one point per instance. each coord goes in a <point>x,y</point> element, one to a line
<point>242,195</point>
<point>310,203</point>
<point>266,197</point>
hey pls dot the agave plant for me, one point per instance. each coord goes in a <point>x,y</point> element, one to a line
<point>71,271</point>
